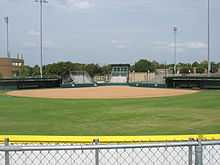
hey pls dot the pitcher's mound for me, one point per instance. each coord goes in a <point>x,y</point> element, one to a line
<point>109,92</point>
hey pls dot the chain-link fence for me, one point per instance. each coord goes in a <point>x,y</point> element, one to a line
<point>172,153</point>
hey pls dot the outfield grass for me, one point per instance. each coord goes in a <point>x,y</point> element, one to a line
<point>189,114</point>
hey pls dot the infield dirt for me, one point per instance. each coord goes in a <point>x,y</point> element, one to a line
<point>108,92</point>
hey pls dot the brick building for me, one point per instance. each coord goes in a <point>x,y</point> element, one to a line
<point>10,67</point>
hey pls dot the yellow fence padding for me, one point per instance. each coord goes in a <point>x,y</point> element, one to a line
<point>105,139</point>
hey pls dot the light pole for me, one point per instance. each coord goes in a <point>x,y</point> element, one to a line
<point>175,29</point>
<point>209,62</point>
<point>41,34</point>
<point>7,39</point>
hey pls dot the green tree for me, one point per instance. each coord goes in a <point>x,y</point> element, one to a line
<point>36,71</point>
<point>62,68</point>
<point>144,66</point>
<point>185,68</point>
<point>26,71</point>
<point>93,69</point>
<point>204,64</point>
<point>106,69</point>
<point>200,69</point>
<point>195,64</point>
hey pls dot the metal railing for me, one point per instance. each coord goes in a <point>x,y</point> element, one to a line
<point>163,153</point>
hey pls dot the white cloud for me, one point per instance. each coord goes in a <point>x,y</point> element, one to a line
<point>197,45</point>
<point>81,4</point>
<point>189,45</point>
<point>120,44</point>
<point>182,45</point>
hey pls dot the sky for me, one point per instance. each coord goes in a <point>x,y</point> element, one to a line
<point>110,31</point>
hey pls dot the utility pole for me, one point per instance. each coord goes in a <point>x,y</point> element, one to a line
<point>175,29</point>
<point>7,38</point>
<point>209,62</point>
<point>41,34</point>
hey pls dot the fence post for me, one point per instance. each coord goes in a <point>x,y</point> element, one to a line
<point>198,154</point>
<point>96,142</point>
<point>190,161</point>
<point>6,143</point>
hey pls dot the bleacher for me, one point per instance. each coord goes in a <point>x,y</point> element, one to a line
<point>120,73</point>
<point>118,79</point>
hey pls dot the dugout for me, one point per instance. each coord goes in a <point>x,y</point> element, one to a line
<point>30,83</point>
<point>203,82</point>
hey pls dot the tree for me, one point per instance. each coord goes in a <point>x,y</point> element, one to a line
<point>26,71</point>
<point>93,69</point>
<point>200,69</point>
<point>62,68</point>
<point>195,64</point>
<point>185,68</point>
<point>106,69</point>
<point>144,66</point>
<point>204,64</point>
<point>35,71</point>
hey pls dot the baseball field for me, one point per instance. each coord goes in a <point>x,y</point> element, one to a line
<point>191,113</point>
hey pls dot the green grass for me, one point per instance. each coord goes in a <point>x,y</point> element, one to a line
<point>189,114</point>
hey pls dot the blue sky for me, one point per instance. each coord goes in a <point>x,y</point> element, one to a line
<point>110,31</point>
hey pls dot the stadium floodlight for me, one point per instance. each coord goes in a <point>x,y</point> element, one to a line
<point>175,29</point>
<point>41,34</point>
<point>7,38</point>
<point>209,62</point>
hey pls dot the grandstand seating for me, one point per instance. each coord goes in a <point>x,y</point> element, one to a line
<point>118,79</point>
